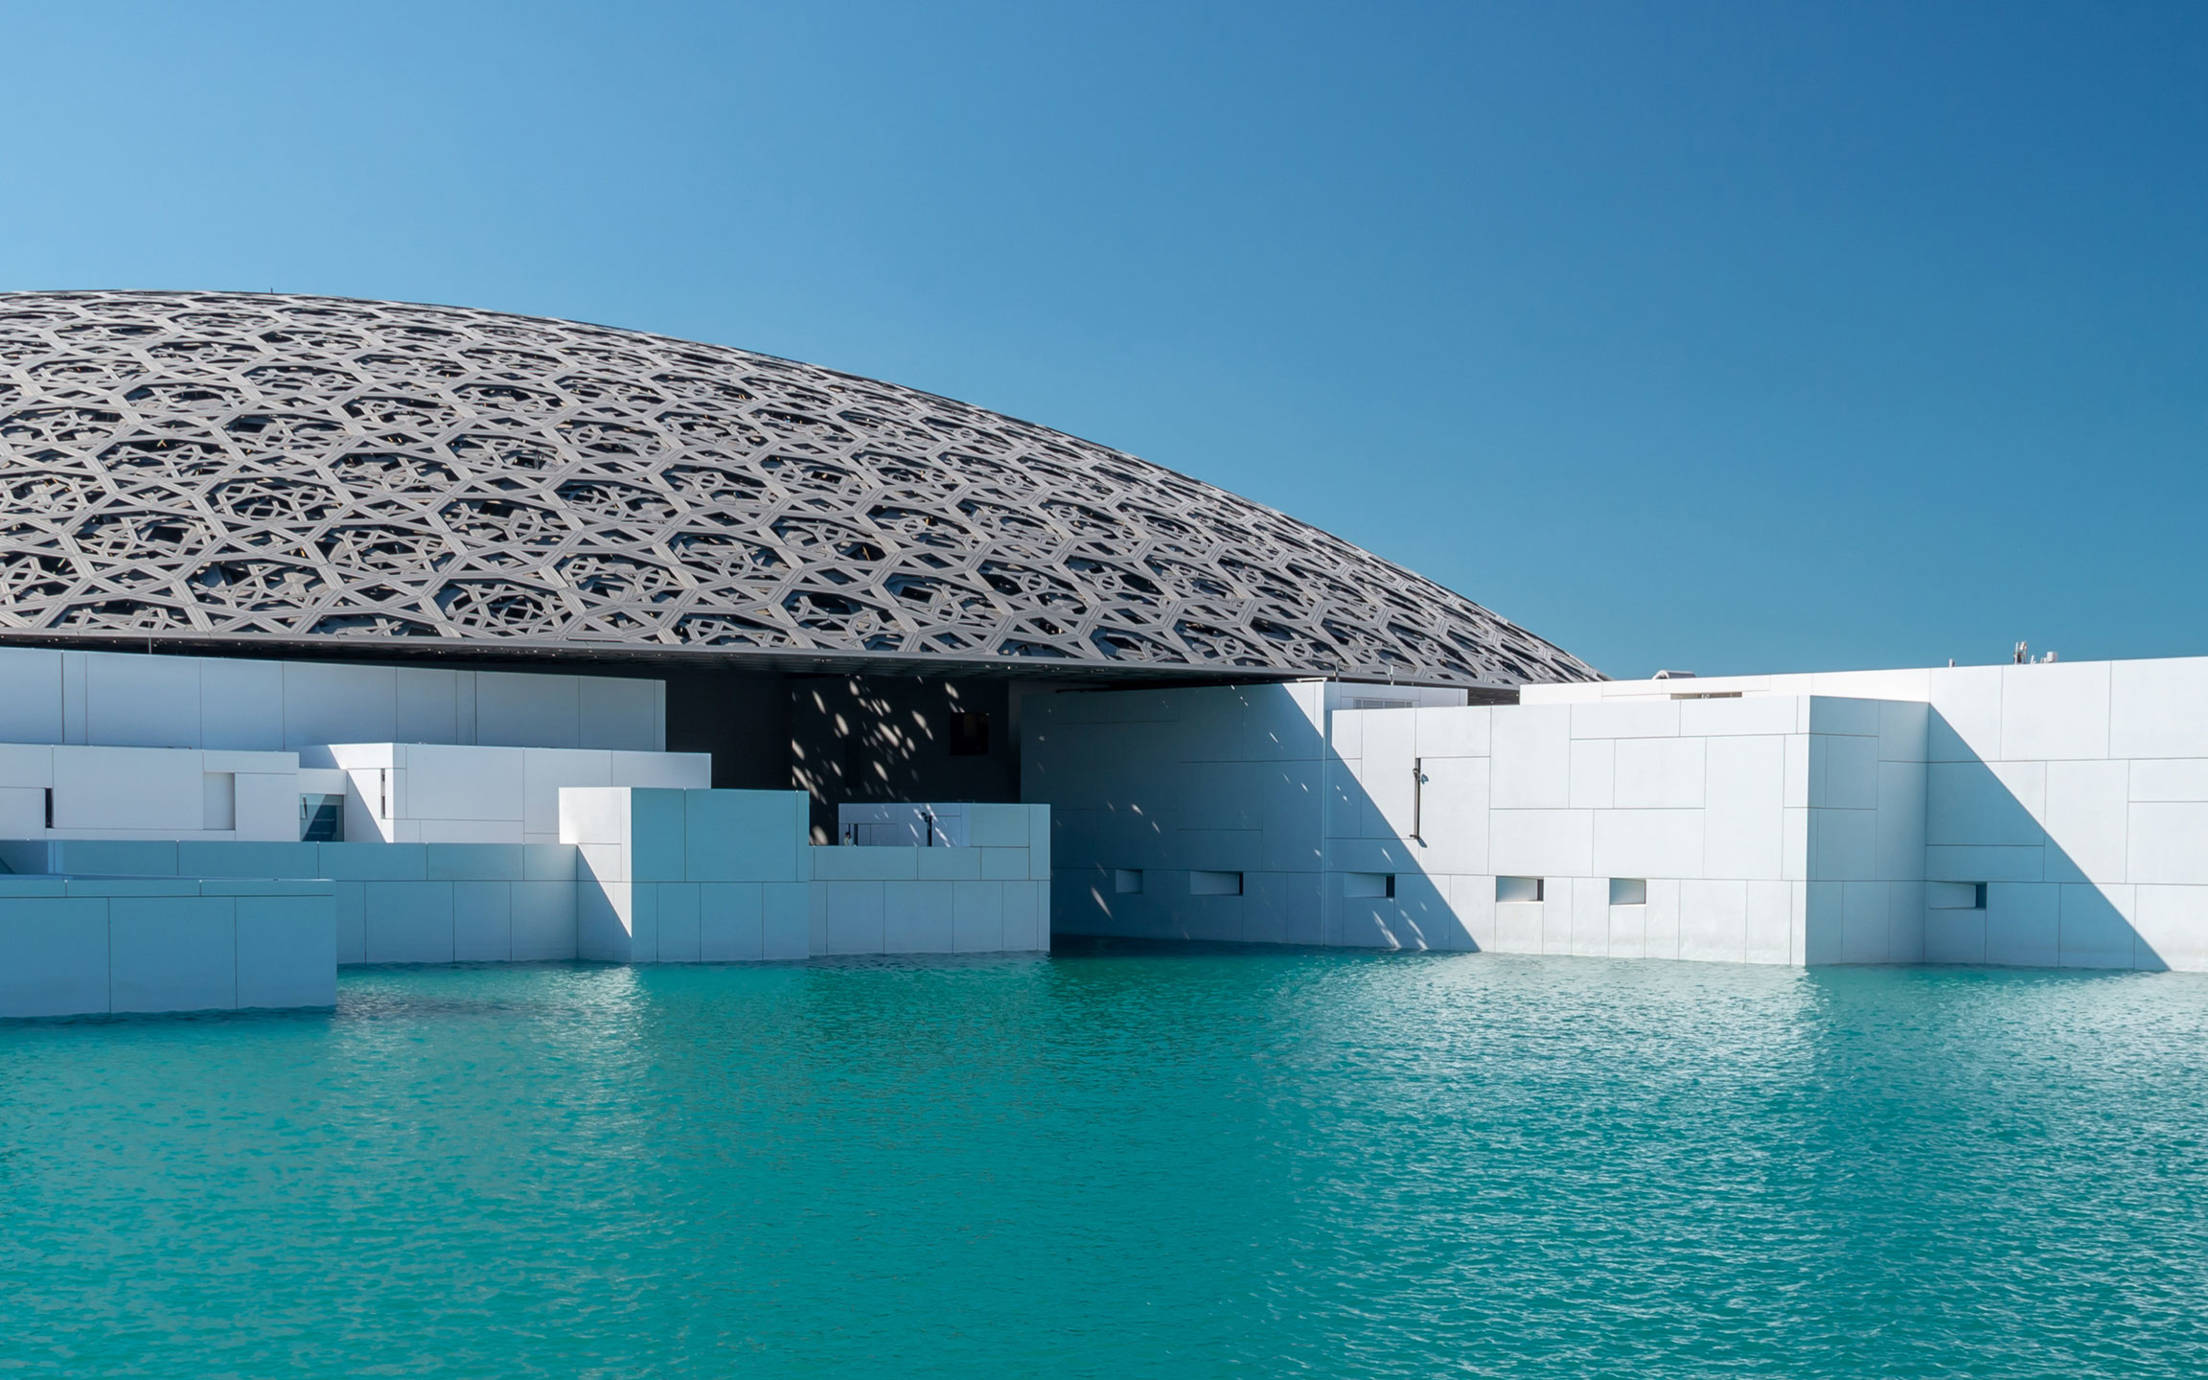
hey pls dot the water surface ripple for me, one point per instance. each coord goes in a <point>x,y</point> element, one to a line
<point>1122,1162</point>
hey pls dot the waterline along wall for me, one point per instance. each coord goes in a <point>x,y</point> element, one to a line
<point>2030,814</point>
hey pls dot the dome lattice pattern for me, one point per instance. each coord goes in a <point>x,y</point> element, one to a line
<point>218,465</point>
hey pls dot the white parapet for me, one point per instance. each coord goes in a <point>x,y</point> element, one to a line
<point>73,946</point>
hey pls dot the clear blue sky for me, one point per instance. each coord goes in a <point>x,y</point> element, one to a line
<point>1731,337</point>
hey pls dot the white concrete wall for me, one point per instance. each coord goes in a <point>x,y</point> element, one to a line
<point>79,946</point>
<point>130,699</point>
<point>1779,830</point>
<point>118,792</point>
<point>688,876</point>
<point>699,876</point>
<point>990,895</point>
<point>439,793</point>
<point>394,903</point>
<point>2076,792</point>
<point>1150,788</point>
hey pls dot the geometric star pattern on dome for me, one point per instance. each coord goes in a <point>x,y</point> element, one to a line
<point>200,464</point>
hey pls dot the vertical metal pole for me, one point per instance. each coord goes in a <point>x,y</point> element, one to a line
<point>1418,798</point>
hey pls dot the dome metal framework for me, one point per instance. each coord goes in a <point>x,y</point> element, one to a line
<point>208,467</point>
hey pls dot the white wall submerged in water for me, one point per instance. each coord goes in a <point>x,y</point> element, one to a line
<point>1846,818</point>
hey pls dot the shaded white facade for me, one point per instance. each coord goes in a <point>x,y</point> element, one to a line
<point>2029,814</point>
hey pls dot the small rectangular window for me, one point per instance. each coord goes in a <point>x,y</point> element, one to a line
<point>1215,884</point>
<point>1368,885</point>
<point>1127,881</point>
<point>321,818</point>
<point>49,807</point>
<point>1628,891</point>
<point>1520,888</point>
<point>1955,895</point>
<point>969,735</point>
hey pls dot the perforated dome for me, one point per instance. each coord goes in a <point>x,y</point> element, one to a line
<point>307,471</point>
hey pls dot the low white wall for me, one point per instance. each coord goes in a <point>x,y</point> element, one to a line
<point>439,793</point>
<point>133,699</point>
<point>711,876</point>
<point>80,946</point>
<point>392,902</point>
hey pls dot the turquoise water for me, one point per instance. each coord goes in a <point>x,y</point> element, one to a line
<point>1122,1163</point>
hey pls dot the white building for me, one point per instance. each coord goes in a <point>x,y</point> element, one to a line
<point>2024,814</point>
<point>364,632</point>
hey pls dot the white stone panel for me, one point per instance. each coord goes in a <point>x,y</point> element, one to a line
<point>1843,771</point>
<point>678,922</point>
<point>2172,927</point>
<point>425,704</point>
<point>2022,924</point>
<point>2178,780</point>
<point>1644,718</point>
<point>408,922</point>
<point>620,713</point>
<point>339,704</point>
<point>2059,711</point>
<point>2158,708</point>
<point>142,701</point>
<point>128,788</point>
<point>1769,933</point>
<point>1843,845</point>
<point>2167,843</point>
<point>1590,903</point>
<point>1965,720</point>
<point>451,783</point>
<point>1900,821</point>
<point>517,710</point>
<point>240,704</point>
<point>1713,921</point>
<point>172,953</point>
<point>977,916</point>
<point>482,922</point>
<point>1594,764</point>
<point>1839,715</point>
<point>1864,929</point>
<point>30,695</point>
<point>1750,715</point>
<point>1972,803</point>
<point>53,952</point>
<point>543,920</point>
<point>286,951</point>
<point>1453,732</point>
<point>786,922</point>
<point>1658,773</point>
<point>2096,931</point>
<point>1660,919</point>
<point>1984,864</point>
<point>1648,843</point>
<point>2086,821</point>
<point>546,772</point>
<point>1541,843</point>
<point>1532,757</point>
<point>1453,814</point>
<point>1518,927</point>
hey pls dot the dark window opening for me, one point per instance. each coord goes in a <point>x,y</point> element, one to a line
<point>969,735</point>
